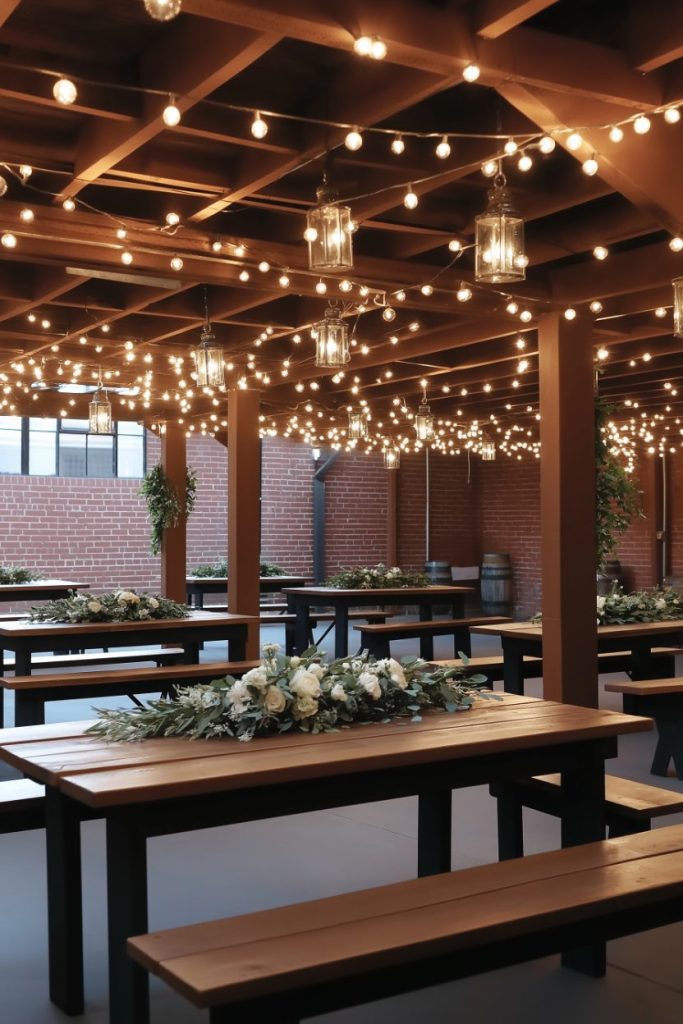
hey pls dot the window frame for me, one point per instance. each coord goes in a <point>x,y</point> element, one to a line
<point>25,437</point>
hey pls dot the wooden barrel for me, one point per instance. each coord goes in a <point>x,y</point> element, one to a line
<point>496,584</point>
<point>439,573</point>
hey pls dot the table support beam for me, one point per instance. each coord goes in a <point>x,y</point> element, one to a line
<point>174,543</point>
<point>568,510</point>
<point>244,509</point>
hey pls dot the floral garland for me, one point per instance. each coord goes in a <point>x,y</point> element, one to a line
<point>118,606</point>
<point>657,605</point>
<point>220,569</point>
<point>301,693</point>
<point>163,503</point>
<point>376,577</point>
<point>17,574</point>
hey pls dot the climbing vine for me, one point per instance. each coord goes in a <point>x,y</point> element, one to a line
<point>617,494</point>
<point>163,503</point>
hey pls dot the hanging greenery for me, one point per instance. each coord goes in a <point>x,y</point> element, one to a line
<point>218,570</point>
<point>10,574</point>
<point>163,503</point>
<point>617,495</point>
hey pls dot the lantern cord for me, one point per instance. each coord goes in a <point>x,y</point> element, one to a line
<point>207,322</point>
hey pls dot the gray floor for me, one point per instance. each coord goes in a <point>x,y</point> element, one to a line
<point>217,872</point>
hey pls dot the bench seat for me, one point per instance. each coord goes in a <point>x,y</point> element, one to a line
<point>377,638</point>
<point>22,805</point>
<point>294,962</point>
<point>161,655</point>
<point>661,699</point>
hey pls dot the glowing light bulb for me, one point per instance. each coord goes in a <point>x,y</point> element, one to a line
<point>176,263</point>
<point>172,219</point>
<point>616,133</point>
<point>400,295</point>
<point>489,168</point>
<point>602,354</point>
<point>345,285</point>
<point>510,147</point>
<point>378,49</point>
<point>471,72</point>
<point>590,166</point>
<point>3,185</point>
<point>642,125</point>
<point>443,150</point>
<point>244,275</point>
<point>283,281</point>
<point>570,313</point>
<point>464,293</point>
<point>525,163</point>
<point>126,258</point>
<point>163,10</point>
<point>240,251</point>
<point>595,306</point>
<point>520,343</point>
<point>672,115</point>
<point>69,205</point>
<point>321,287</point>
<point>660,311</point>
<point>27,215</point>
<point>170,115</point>
<point>9,240</point>
<point>398,145</point>
<point>601,252</point>
<point>25,172</point>
<point>388,314</point>
<point>410,200</point>
<point>676,243</point>
<point>216,245</point>
<point>64,91</point>
<point>353,140</point>
<point>427,289</point>
<point>574,141</point>
<point>512,308</point>
<point>525,316</point>
<point>121,233</point>
<point>546,144</point>
<point>259,128</point>
<point>362,46</point>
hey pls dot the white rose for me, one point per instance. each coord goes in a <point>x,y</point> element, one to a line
<point>601,603</point>
<point>275,700</point>
<point>338,692</point>
<point>153,603</point>
<point>660,604</point>
<point>397,674</point>
<point>305,684</point>
<point>94,607</point>
<point>305,707</point>
<point>239,696</point>
<point>370,684</point>
<point>257,677</point>
<point>144,613</point>
<point>316,669</point>
<point>294,661</point>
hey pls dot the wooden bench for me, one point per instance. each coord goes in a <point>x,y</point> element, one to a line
<point>629,807</point>
<point>288,619</point>
<point>294,962</point>
<point>377,638</point>
<point>160,655</point>
<point>661,699</point>
<point>31,693</point>
<point>22,805</point>
<point>611,661</point>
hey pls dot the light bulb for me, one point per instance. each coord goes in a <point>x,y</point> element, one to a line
<point>163,10</point>
<point>410,200</point>
<point>353,140</point>
<point>400,295</point>
<point>672,115</point>
<point>25,172</point>
<point>244,275</point>
<point>464,293</point>
<point>176,263</point>
<point>69,205</point>
<point>388,314</point>
<point>378,49</point>
<point>362,46</point>
<point>27,215</point>
<point>3,185</point>
<point>660,311</point>
<point>525,163</point>
<point>616,134</point>
<point>216,245</point>
<point>676,243</point>
<point>512,307</point>
<point>590,166</point>
<point>525,316</point>
<point>9,240</point>
<point>510,147</point>
<point>427,289</point>
<point>455,245</point>
<point>546,144</point>
<point>602,354</point>
<point>171,114</point>
<point>345,285</point>
<point>471,72</point>
<point>283,281</point>
<point>443,150</point>
<point>172,219</point>
<point>264,266</point>
<point>574,141</point>
<point>105,328</point>
<point>595,306</point>
<point>642,125</point>
<point>240,251</point>
<point>489,168</point>
<point>126,257</point>
<point>64,91</point>
<point>398,145</point>
<point>310,234</point>
<point>321,287</point>
<point>259,128</point>
<point>600,252</point>
<point>121,233</point>
<point>570,313</point>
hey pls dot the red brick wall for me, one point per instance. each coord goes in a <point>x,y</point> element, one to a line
<point>356,511</point>
<point>287,504</point>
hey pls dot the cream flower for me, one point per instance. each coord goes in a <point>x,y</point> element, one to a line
<point>305,707</point>
<point>305,684</point>
<point>257,677</point>
<point>397,674</point>
<point>274,700</point>
<point>153,603</point>
<point>371,685</point>
<point>317,669</point>
<point>94,607</point>
<point>338,693</point>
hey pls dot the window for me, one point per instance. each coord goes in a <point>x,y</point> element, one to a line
<point>63,447</point>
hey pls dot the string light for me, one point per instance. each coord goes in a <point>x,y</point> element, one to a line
<point>126,257</point>
<point>471,72</point>
<point>27,215</point>
<point>353,140</point>
<point>600,252</point>
<point>398,145</point>
<point>259,128</point>
<point>672,115</point>
<point>525,163</point>
<point>512,307</point>
<point>455,245</point>
<point>25,172</point>
<point>163,10</point>
<point>176,263</point>
<point>546,144</point>
<point>642,125</point>
<point>570,313</point>
<point>660,312</point>
<point>489,168</point>
<point>574,141</point>
<point>283,281</point>
<point>464,293</point>
<point>595,306</point>
<point>69,205</point>
<point>264,266</point>
<point>510,147</point>
<point>676,243</point>
<point>443,150</point>
<point>370,46</point>
<point>590,166</point>
<point>171,113</point>
<point>410,199</point>
<point>616,134</point>
<point>65,92</point>
<point>321,287</point>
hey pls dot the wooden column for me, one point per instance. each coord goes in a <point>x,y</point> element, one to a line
<point>568,510</point>
<point>174,543</point>
<point>392,516</point>
<point>244,508</point>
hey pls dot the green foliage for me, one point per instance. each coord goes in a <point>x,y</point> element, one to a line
<point>616,492</point>
<point>220,569</point>
<point>16,574</point>
<point>117,606</point>
<point>376,577</point>
<point>299,693</point>
<point>657,605</point>
<point>164,504</point>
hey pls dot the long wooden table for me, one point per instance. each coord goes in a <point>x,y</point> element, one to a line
<point>163,786</point>
<point>26,638</point>
<point>301,600</point>
<point>198,586</point>
<point>526,638</point>
<point>39,590</point>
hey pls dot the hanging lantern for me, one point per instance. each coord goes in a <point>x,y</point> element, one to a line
<point>392,458</point>
<point>208,356</point>
<point>500,254</point>
<point>488,451</point>
<point>328,232</point>
<point>358,427</point>
<point>678,307</point>
<point>100,413</point>
<point>332,339</point>
<point>424,421</point>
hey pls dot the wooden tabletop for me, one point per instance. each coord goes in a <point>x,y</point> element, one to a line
<point>198,618</point>
<point>285,580</point>
<point>628,629</point>
<point>17,589</point>
<point>380,592</point>
<point>102,774</point>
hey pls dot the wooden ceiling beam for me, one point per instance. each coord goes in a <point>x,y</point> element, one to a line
<point>655,34</point>
<point>641,269</point>
<point>493,18</point>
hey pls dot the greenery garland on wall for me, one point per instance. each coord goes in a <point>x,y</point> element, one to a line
<point>617,495</point>
<point>163,503</point>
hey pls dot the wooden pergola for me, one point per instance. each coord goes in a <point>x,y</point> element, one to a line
<point>91,286</point>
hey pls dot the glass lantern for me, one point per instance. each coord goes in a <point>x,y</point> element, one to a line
<point>208,361</point>
<point>424,422</point>
<point>392,458</point>
<point>358,427</point>
<point>488,451</point>
<point>499,251</point>
<point>328,232</point>
<point>332,339</point>
<point>678,307</point>
<point>100,414</point>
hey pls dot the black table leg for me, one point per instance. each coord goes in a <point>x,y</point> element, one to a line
<point>127,913</point>
<point>458,607</point>
<point>29,708</point>
<point>434,832</point>
<point>64,901</point>
<point>425,611</point>
<point>583,821</point>
<point>190,652</point>
<point>237,645</point>
<point>301,627</point>
<point>510,823</point>
<point>427,648</point>
<point>513,667</point>
<point>341,631</point>
<point>462,641</point>
<point>22,663</point>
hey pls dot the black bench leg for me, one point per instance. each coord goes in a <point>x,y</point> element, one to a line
<point>669,745</point>
<point>618,826</point>
<point>510,826</point>
<point>29,708</point>
<point>127,912</point>
<point>427,648</point>
<point>64,902</point>
<point>434,832</point>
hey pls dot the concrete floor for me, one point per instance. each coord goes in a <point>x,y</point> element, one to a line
<point>219,872</point>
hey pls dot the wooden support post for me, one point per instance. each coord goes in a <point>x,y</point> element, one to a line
<point>568,510</point>
<point>392,517</point>
<point>244,508</point>
<point>174,543</point>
